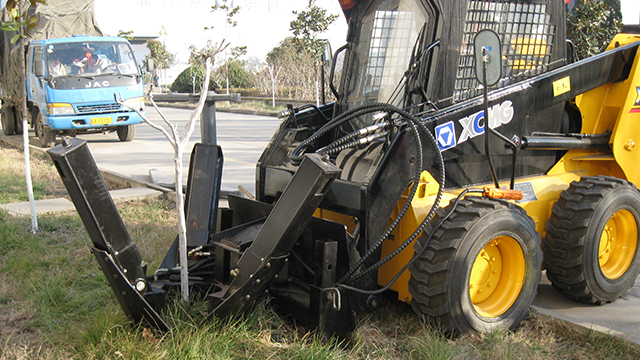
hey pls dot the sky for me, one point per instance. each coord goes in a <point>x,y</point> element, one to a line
<point>630,11</point>
<point>261,24</point>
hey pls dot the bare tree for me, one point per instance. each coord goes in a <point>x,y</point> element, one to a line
<point>274,77</point>
<point>179,145</point>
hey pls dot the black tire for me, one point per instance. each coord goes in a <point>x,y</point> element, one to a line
<point>442,276</point>
<point>126,133</point>
<point>46,136</point>
<point>8,120</point>
<point>581,220</point>
<point>19,127</point>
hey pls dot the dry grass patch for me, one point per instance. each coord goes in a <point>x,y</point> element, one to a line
<point>45,178</point>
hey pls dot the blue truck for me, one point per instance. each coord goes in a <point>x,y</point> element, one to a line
<point>72,81</point>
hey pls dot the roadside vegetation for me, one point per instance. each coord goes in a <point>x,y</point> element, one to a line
<point>56,304</point>
<point>45,177</point>
<point>46,181</point>
<point>251,106</point>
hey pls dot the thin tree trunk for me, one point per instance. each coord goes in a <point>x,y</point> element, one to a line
<point>25,137</point>
<point>178,144</point>
<point>182,225</point>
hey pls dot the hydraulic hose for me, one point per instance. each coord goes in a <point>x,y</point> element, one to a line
<point>415,256</point>
<point>346,140</point>
<point>296,155</point>
<point>413,124</point>
<point>350,278</point>
<point>351,115</point>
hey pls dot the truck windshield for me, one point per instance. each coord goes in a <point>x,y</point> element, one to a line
<point>90,58</point>
<point>388,32</point>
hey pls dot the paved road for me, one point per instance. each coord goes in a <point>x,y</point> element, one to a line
<point>243,137</point>
<point>621,318</point>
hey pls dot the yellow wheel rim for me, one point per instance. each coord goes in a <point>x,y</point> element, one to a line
<point>497,276</point>
<point>618,243</point>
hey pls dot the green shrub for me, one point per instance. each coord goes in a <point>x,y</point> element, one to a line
<point>190,80</point>
<point>238,76</point>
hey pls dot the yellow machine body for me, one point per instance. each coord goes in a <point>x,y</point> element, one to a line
<point>614,107</point>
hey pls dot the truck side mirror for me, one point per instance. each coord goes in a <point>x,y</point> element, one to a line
<point>150,65</point>
<point>38,67</point>
<point>327,55</point>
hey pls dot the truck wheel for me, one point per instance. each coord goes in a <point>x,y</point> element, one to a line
<point>8,120</point>
<point>591,247</point>
<point>19,126</point>
<point>46,136</point>
<point>126,133</point>
<point>481,270</point>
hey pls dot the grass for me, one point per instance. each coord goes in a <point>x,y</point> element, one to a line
<point>45,178</point>
<point>251,106</point>
<point>56,304</point>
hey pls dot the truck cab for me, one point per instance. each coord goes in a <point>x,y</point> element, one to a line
<point>72,86</point>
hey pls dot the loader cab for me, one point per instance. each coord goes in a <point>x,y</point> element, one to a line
<point>384,38</point>
<point>418,54</point>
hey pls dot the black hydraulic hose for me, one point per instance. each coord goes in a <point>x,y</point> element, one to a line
<point>415,234</point>
<point>203,273</point>
<point>405,208</point>
<point>441,182</point>
<point>204,263</point>
<point>296,156</point>
<point>345,139</point>
<point>415,256</point>
<point>413,123</point>
<point>396,221</point>
<point>337,148</point>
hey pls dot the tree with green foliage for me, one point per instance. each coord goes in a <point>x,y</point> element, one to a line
<point>191,78</point>
<point>162,58</point>
<point>126,34</point>
<point>592,24</point>
<point>298,67</point>
<point>238,76</point>
<point>310,22</point>
<point>21,21</point>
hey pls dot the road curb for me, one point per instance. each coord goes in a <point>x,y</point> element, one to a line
<point>233,111</point>
<point>110,176</point>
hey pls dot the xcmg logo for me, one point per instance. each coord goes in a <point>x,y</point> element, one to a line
<point>473,125</point>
